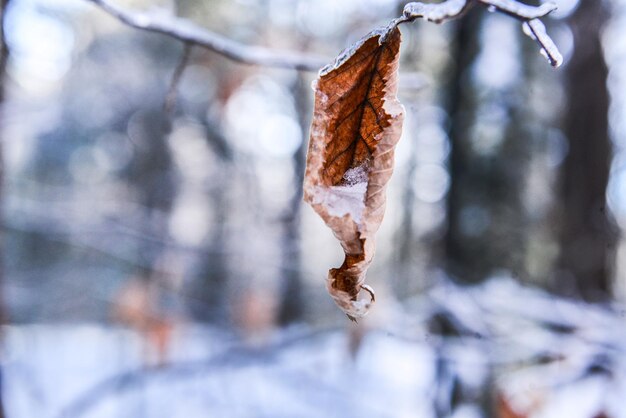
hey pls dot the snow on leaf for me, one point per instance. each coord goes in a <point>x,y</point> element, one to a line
<point>357,122</point>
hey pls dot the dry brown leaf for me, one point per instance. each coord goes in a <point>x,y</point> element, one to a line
<point>357,122</point>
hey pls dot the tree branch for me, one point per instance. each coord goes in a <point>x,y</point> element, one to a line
<point>519,10</point>
<point>529,15</point>
<point>536,30</point>
<point>193,34</point>
<point>170,99</point>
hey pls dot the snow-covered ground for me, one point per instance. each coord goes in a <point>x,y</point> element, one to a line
<point>544,356</point>
<point>94,371</point>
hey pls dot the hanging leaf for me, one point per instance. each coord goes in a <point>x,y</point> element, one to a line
<point>357,122</point>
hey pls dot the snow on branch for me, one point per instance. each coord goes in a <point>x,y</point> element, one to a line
<point>193,34</point>
<point>536,30</point>
<point>529,15</point>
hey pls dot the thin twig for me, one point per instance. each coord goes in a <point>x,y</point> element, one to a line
<point>170,99</point>
<point>529,15</point>
<point>536,30</point>
<point>519,10</point>
<point>193,34</point>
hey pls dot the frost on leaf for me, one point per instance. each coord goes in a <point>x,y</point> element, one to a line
<point>357,122</point>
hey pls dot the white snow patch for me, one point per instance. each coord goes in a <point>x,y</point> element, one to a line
<point>347,199</point>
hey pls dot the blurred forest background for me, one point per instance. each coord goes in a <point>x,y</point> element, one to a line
<point>158,260</point>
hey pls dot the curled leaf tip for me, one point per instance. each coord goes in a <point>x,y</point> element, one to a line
<point>352,306</point>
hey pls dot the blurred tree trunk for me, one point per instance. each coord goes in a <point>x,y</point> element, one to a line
<point>210,301</point>
<point>4,55</point>
<point>489,157</point>
<point>406,277</point>
<point>214,270</point>
<point>153,179</point>
<point>210,292</point>
<point>461,253</point>
<point>292,298</point>
<point>587,233</point>
<point>404,263</point>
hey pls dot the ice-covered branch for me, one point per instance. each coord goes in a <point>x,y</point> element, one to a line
<point>519,10</point>
<point>436,12</point>
<point>193,34</point>
<point>529,15</point>
<point>537,31</point>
